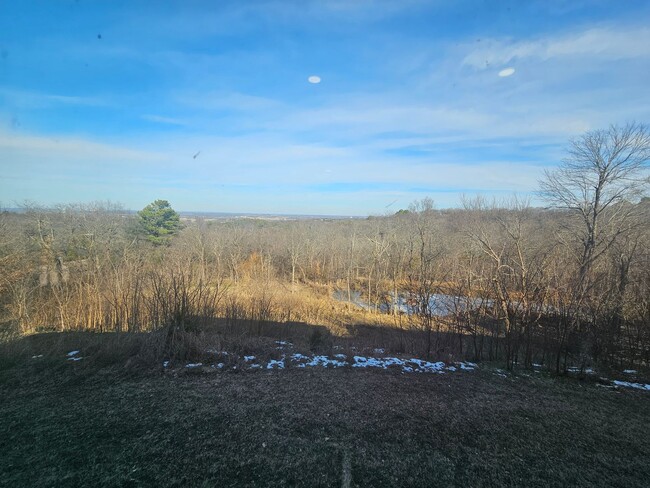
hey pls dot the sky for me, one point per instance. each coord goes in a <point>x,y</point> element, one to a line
<point>333,107</point>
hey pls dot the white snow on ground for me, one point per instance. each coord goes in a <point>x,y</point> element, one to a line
<point>275,363</point>
<point>325,362</point>
<point>363,362</point>
<point>627,384</point>
<point>468,366</point>
<point>413,365</point>
<point>426,366</point>
<point>407,365</point>
<point>38,356</point>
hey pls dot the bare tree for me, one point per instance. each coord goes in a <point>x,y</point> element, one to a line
<point>598,182</point>
<point>603,171</point>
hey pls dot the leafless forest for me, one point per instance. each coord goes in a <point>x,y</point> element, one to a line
<point>568,284</point>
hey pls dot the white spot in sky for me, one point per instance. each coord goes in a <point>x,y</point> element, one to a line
<point>506,72</point>
<point>314,79</point>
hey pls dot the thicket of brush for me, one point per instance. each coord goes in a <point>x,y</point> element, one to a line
<point>513,272</point>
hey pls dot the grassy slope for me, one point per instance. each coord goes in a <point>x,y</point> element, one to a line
<point>66,425</point>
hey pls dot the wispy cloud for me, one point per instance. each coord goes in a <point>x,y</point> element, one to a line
<point>33,99</point>
<point>232,101</point>
<point>212,106</point>
<point>74,149</point>
<point>597,43</point>
<point>164,120</point>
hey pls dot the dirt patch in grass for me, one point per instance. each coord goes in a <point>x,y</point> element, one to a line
<point>74,427</point>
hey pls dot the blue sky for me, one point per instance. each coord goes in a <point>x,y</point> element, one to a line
<point>208,104</point>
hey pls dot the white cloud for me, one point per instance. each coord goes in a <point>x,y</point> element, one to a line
<point>602,43</point>
<point>221,100</point>
<point>163,120</point>
<point>32,99</point>
<point>70,147</point>
<point>506,72</point>
<point>246,169</point>
<point>314,79</point>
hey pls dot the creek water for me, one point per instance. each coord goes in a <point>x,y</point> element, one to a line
<point>439,304</point>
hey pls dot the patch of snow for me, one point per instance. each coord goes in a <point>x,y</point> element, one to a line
<point>629,371</point>
<point>194,365</point>
<point>427,367</point>
<point>537,365</point>
<point>75,358</point>
<point>283,343</point>
<point>38,356</point>
<point>416,365</point>
<point>380,350</point>
<point>363,362</point>
<point>412,365</point>
<point>273,363</point>
<point>72,353</point>
<point>325,362</point>
<point>388,362</point>
<point>165,364</point>
<point>467,366</point>
<point>627,384</point>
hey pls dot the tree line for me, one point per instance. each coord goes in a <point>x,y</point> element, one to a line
<point>565,284</point>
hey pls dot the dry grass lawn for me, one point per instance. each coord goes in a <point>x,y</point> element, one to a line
<point>63,424</point>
